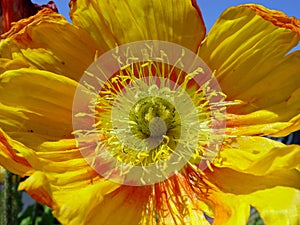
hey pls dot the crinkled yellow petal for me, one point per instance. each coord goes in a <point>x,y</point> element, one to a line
<point>77,206</point>
<point>47,41</point>
<point>248,50</point>
<point>8,64</point>
<point>276,195</point>
<point>118,22</point>
<point>36,115</point>
<point>276,159</point>
<point>242,183</point>
<point>36,101</point>
<point>294,124</point>
<point>259,172</point>
<point>62,179</point>
<point>262,123</point>
<point>258,155</point>
<point>60,159</point>
<point>276,205</point>
<point>279,205</point>
<point>70,206</point>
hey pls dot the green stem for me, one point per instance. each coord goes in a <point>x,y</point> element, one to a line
<point>34,212</point>
<point>10,199</point>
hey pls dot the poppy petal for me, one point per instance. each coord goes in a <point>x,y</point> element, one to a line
<point>248,49</point>
<point>119,22</point>
<point>47,41</point>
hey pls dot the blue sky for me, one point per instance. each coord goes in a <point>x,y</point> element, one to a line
<point>211,9</point>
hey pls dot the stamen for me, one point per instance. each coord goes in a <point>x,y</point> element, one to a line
<point>153,113</point>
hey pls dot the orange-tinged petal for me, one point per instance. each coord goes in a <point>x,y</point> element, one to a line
<point>228,209</point>
<point>10,159</point>
<point>36,101</point>
<point>277,18</point>
<point>248,50</point>
<point>118,22</point>
<point>125,205</point>
<point>60,159</point>
<point>70,206</point>
<point>49,42</point>
<point>62,179</point>
<point>174,202</point>
<point>39,188</point>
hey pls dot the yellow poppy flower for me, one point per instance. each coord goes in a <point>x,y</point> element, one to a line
<point>44,57</point>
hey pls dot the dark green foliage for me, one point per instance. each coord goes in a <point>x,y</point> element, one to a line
<point>37,214</point>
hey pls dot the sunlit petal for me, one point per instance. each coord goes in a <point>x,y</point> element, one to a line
<point>248,50</point>
<point>128,22</point>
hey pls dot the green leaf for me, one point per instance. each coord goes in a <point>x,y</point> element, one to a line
<point>26,221</point>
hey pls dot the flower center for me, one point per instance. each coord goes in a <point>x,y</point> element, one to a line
<point>146,122</point>
<point>152,117</point>
<point>150,108</point>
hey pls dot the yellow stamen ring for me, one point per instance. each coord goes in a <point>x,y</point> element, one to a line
<point>144,110</point>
